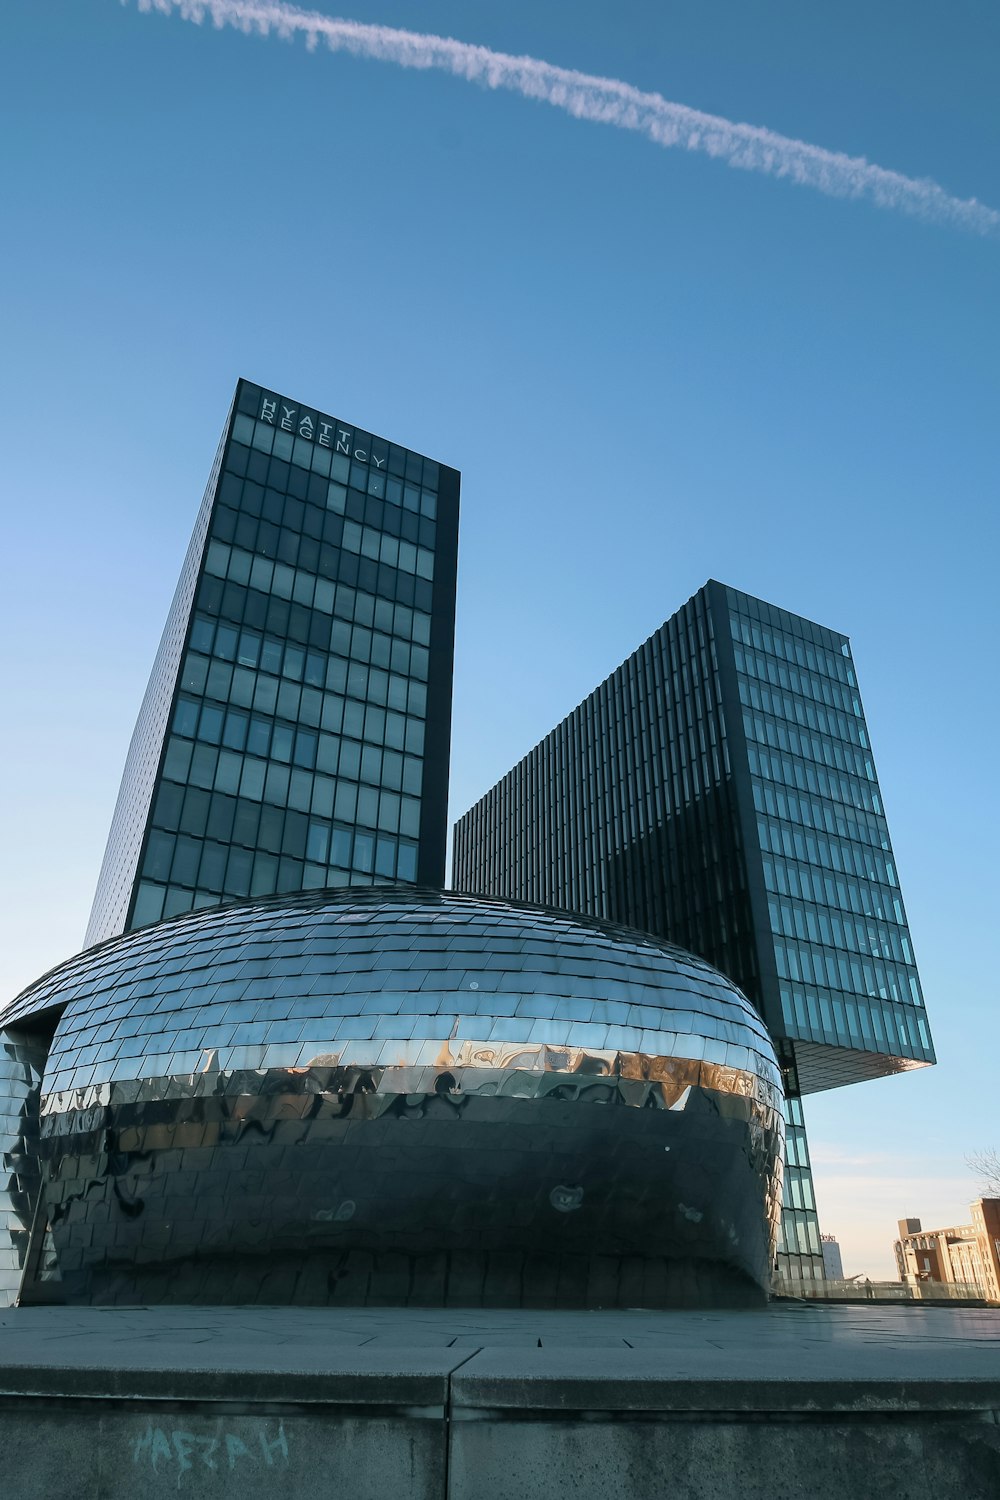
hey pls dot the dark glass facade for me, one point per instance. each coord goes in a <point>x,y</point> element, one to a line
<point>296,727</point>
<point>719,790</point>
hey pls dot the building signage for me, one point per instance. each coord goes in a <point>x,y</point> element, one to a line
<point>326,434</point>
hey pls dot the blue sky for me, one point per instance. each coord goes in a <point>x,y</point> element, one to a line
<point>650,367</point>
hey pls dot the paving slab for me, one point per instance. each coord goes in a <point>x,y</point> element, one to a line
<point>509,1356</point>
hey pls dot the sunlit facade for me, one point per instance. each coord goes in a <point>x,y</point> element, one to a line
<point>967,1255</point>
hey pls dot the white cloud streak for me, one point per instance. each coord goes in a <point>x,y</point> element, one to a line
<point>605,101</point>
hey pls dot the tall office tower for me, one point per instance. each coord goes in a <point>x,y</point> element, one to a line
<point>295,731</point>
<point>833,1261</point>
<point>719,790</point>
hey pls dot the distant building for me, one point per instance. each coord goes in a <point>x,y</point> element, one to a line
<point>833,1265</point>
<point>964,1253</point>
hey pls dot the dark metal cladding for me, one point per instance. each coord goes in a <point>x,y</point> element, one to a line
<point>405,1096</point>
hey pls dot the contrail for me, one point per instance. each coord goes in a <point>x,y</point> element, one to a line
<point>605,101</point>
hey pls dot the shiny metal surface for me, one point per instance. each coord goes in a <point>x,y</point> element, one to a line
<point>406,1096</point>
<point>21,1063</point>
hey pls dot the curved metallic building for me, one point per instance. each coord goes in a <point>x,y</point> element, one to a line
<point>396,1096</point>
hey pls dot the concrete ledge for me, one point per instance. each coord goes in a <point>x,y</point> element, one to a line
<point>382,1377</point>
<point>799,1403</point>
<point>861,1379</point>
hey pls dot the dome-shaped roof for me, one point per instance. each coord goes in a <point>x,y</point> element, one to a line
<point>327,1087</point>
<point>381,976</point>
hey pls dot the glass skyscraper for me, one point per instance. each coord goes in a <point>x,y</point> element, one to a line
<point>295,731</point>
<point>719,791</point>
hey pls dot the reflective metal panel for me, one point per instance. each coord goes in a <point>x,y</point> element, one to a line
<point>407,1096</point>
<point>21,1063</point>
